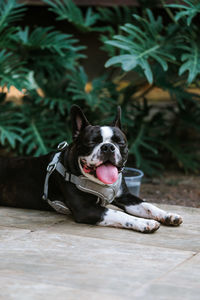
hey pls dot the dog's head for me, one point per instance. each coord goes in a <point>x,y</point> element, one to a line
<point>101,150</point>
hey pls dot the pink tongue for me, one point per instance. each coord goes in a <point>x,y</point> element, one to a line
<point>107,173</point>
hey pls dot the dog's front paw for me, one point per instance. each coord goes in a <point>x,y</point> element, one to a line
<point>149,226</point>
<point>172,219</point>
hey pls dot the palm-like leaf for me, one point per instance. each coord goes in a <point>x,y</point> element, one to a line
<point>191,59</point>
<point>98,95</point>
<point>45,38</point>
<point>12,71</point>
<point>6,38</point>
<point>190,10</point>
<point>67,10</point>
<point>116,15</point>
<point>49,52</point>
<point>10,12</point>
<point>10,128</point>
<point>40,133</point>
<point>140,45</point>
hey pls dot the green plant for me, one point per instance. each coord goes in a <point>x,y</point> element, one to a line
<point>31,59</point>
<point>47,63</point>
<point>142,44</point>
<point>67,10</point>
<point>190,9</point>
<point>9,117</point>
<point>163,55</point>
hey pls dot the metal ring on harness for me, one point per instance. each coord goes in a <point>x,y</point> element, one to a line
<point>62,145</point>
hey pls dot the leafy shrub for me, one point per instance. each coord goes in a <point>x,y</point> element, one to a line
<point>142,49</point>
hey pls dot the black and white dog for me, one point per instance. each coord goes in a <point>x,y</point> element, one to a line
<point>97,155</point>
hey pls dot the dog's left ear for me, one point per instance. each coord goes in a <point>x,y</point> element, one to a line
<point>117,120</point>
<point>78,119</point>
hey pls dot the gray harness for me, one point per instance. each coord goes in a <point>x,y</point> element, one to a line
<point>105,193</point>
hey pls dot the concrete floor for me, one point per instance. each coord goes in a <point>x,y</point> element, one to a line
<point>45,255</point>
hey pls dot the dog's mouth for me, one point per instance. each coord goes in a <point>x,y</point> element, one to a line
<point>106,172</point>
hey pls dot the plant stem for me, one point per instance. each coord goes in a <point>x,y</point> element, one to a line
<point>145,92</point>
<point>120,77</point>
<point>168,11</point>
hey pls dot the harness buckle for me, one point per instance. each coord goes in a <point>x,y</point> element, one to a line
<point>62,145</point>
<point>51,168</point>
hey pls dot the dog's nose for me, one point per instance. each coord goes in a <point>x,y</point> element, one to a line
<point>108,148</point>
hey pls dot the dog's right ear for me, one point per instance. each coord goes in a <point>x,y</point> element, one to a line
<point>78,119</point>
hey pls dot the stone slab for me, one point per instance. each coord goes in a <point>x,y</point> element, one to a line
<point>90,264</point>
<point>44,255</point>
<point>7,233</point>
<point>29,219</point>
<point>22,289</point>
<point>182,283</point>
<point>184,237</point>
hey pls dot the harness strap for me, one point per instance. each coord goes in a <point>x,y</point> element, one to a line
<point>50,168</point>
<point>105,193</point>
<point>59,206</point>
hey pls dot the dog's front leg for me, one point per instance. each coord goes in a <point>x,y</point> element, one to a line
<point>102,216</point>
<point>137,207</point>
<point>120,219</point>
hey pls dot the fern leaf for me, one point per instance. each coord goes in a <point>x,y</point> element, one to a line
<point>67,10</point>
<point>115,15</point>
<point>10,12</point>
<point>190,10</point>
<point>38,137</point>
<point>10,129</point>
<point>12,71</point>
<point>128,61</point>
<point>191,61</point>
<point>100,94</point>
<point>141,44</point>
<point>40,134</point>
<point>45,38</point>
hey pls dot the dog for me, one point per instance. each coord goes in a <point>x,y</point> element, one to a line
<point>82,177</point>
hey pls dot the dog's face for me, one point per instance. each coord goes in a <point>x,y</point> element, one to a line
<point>102,150</point>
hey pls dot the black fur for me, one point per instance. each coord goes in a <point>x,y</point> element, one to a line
<point>22,179</point>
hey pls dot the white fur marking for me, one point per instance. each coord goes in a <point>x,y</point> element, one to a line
<point>149,211</point>
<point>120,219</point>
<point>106,133</point>
<point>94,157</point>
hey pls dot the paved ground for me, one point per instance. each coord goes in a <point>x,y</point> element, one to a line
<point>44,255</point>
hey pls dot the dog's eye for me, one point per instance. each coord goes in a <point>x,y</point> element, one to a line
<point>121,143</point>
<point>119,140</point>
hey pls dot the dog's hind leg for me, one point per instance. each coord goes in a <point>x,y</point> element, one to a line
<point>135,206</point>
